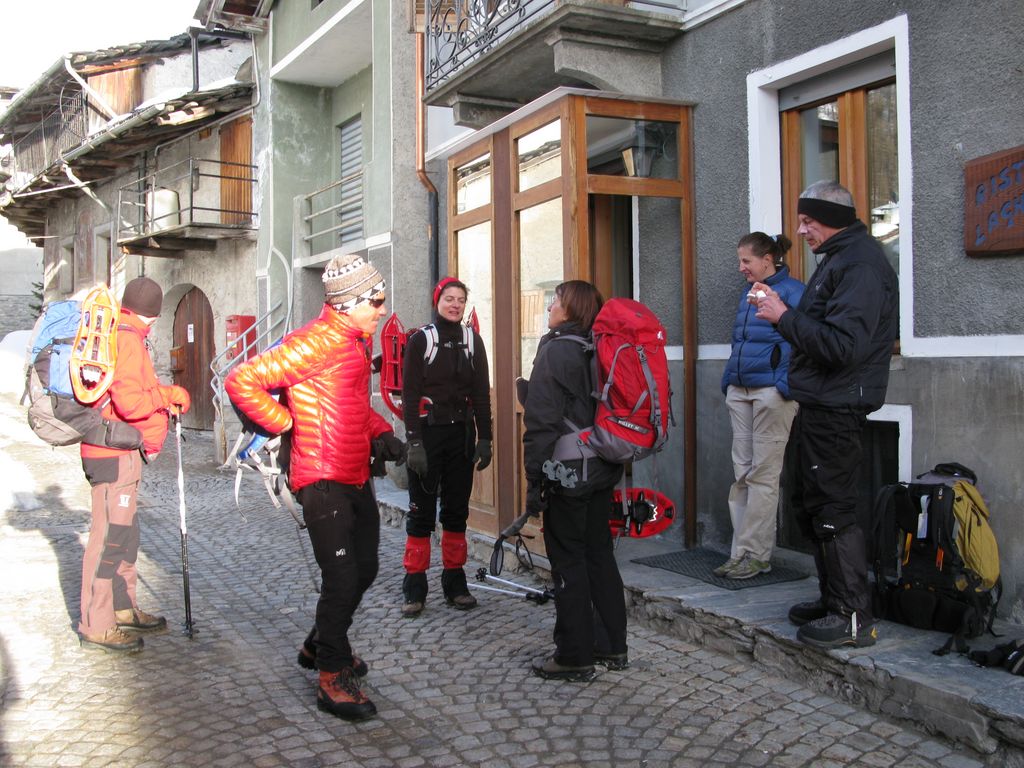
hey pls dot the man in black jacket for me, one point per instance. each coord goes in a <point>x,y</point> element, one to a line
<point>842,334</point>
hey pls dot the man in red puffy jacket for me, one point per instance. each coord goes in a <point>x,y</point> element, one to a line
<point>136,410</point>
<point>323,371</point>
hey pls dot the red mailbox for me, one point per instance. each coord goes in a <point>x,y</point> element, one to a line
<point>241,333</point>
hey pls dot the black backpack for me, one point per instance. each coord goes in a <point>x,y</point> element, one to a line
<point>936,560</point>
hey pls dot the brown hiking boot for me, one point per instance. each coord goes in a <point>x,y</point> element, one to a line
<point>412,608</point>
<point>137,620</point>
<point>340,696</point>
<point>114,640</point>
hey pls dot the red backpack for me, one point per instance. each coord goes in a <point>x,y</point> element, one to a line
<point>631,386</point>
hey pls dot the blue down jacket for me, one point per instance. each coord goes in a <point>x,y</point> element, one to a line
<point>760,356</point>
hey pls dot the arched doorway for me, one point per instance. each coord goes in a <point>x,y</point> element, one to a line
<point>191,353</point>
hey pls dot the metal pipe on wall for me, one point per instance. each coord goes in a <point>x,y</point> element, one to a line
<point>421,173</point>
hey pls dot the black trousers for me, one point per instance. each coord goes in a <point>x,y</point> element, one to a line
<point>344,527</point>
<point>588,587</point>
<point>449,478</point>
<point>827,451</point>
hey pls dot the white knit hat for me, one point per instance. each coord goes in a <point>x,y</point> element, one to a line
<point>350,279</point>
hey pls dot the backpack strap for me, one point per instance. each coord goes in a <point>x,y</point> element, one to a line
<point>433,342</point>
<point>430,350</point>
<point>468,341</point>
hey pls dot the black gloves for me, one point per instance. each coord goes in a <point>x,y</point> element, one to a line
<point>482,454</point>
<point>416,456</point>
<point>536,498</point>
<point>385,447</point>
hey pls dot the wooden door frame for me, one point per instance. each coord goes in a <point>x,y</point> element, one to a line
<point>575,186</point>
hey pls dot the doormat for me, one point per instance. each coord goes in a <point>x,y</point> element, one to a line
<point>699,563</point>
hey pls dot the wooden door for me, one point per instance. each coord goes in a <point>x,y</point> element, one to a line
<point>191,354</point>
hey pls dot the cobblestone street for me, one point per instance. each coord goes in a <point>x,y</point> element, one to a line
<point>452,688</point>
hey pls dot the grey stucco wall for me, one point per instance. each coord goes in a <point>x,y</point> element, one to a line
<point>965,86</point>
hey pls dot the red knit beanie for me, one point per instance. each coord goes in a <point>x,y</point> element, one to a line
<point>444,283</point>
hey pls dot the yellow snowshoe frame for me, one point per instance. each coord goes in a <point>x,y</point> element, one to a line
<point>94,352</point>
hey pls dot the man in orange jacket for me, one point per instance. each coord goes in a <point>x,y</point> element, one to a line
<point>137,408</point>
<point>324,370</point>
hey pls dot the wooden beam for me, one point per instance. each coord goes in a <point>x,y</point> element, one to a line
<point>180,243</point>
<point>134,249</point>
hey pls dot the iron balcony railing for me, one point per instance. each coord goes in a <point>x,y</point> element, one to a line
<point>330,217</point>
<point>63,129</point>
<point>460,31</point>
<point>192,192</point>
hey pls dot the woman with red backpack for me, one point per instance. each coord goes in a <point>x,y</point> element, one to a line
<point>590,611</point>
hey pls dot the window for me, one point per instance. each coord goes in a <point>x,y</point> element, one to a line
<point>350,210</point>
<point>101,246</point>
<point>847,136</point>
<point>66,267</point>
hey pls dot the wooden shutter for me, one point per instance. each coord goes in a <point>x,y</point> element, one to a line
<point>236,171</point>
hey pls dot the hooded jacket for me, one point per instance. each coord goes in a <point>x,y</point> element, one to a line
<point>760,355</point>
<point>324,370</point>
<point>844,328</point>
<point>136,396</point>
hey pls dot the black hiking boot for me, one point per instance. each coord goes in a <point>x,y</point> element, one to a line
<point>836,631</point>
<point>456,591</point>
<point>549,669</point>
<point>414,592</point>
<point>613,662</point>
<point>812,610</point>
<point>307,659</point>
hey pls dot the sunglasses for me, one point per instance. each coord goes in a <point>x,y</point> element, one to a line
<point>376,303</point>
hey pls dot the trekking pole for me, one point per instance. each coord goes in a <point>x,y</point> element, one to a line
<point>189,630</point>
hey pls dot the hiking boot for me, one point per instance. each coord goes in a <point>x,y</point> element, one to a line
<point>136,620</point>
<point>748,568</point>
<point>115,640</point>
<point>613,662</point>
<point>414,590</point>
<point>307,660</point>
<point>340,696</point>
<point>412,608</point>
<point>462,602</point>
<point>727,566</point>
<point>550,669</point>
<point>456,591</point>
<point>811,610</point>
<point>835,631</point>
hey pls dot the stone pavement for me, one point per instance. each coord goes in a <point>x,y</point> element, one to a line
<point>453,689</point>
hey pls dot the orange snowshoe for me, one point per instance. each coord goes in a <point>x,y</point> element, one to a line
<point>95,349</point>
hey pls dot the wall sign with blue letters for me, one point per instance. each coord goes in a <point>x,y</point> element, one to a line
<point>994,204</point>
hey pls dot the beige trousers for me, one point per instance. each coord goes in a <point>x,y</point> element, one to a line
<point>761,419</point>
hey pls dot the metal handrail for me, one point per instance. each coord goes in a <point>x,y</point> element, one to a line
<point>458,32</point>
<point>348,211</point>
<point>274,330</point>
<point>137,214</point>
<point>220,373</point>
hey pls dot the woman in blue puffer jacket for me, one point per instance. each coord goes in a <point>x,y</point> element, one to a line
<point>757,395</point>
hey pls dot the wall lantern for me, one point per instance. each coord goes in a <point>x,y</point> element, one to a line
<point>648,143</point>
